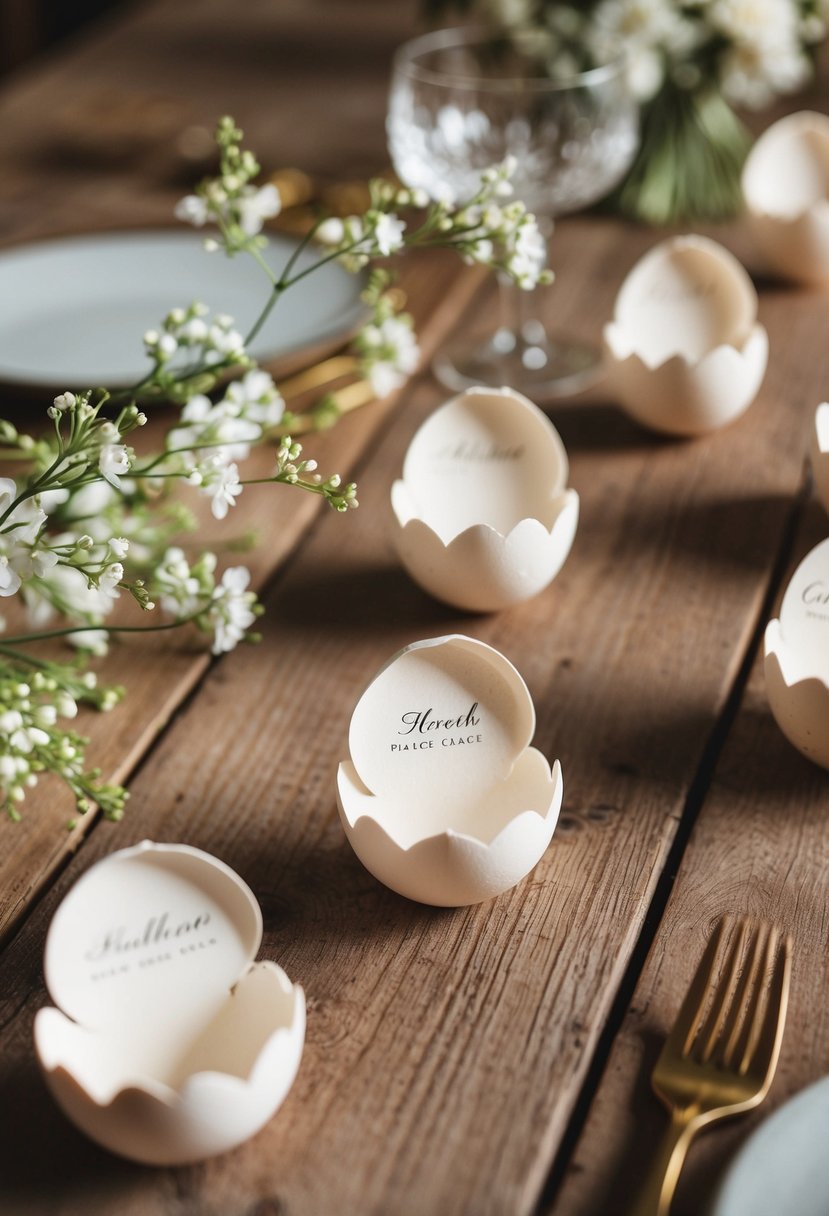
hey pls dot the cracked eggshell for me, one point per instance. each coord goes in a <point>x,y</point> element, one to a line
<point>169,1044</point>
<point>820,454</point>
<point>482,516</point>
<point>797,658</point>
<point>786,191</point>
<point>443,799</point>
<point>685,353</point>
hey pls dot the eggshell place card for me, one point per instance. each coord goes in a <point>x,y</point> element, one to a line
<point>443,799</point>
<point>685,352</point>
<point>819,453</point>
<point>482,515</point>
<point>786,191</point>
<point>797,658</point>
<point>169,1044</point>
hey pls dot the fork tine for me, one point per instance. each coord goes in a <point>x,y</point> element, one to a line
<point>723,1000</point>
<point>758,950</point>
<point>753,985</point>
<point>693,1006</point>
<point>766,1035</point>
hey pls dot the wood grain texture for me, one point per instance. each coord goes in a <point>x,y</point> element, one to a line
<point>447,1049</point>
<point>759,847</point>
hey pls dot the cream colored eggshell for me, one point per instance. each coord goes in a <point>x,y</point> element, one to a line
<point>685,353</point>
<point>797,658</point>
<point>820,453</point>
<point>482,519</point>
<point>786,190</point>
<point>457,824</point>
<point>173,1058</point>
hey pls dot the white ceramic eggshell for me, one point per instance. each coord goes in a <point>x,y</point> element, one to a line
<point>786,191</point>
<point>684,351</point>
<point>478,531</point>
<point>797,659</point>
<point>820,454</point>
<point>492,812</point>
<point>191,1066</point>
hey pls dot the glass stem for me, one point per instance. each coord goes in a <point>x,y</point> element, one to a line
<point>521,331</point>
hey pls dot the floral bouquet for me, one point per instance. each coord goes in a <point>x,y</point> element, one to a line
<point>91,513</point>
<point>690,62</point>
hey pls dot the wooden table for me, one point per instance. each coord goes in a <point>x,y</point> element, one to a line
<point>491,1059</point>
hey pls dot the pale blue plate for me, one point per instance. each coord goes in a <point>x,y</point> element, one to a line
<point>73,310</point>
<point>783,1168</point>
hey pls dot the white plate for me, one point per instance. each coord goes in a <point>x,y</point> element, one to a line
<point>73,310</point>
<point>783,1168</point>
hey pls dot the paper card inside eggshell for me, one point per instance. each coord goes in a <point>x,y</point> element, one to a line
<point>685,297</point>
<point>169,1043</point>
<point>804,617</point>
<point>436,730</point>
<point>488,457</point>
<point>146,928</point>
<point>819,453</point>
<point>443,800</point>
<point>787,171</point>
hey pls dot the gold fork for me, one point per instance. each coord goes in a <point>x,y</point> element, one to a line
<point>720,1057</point>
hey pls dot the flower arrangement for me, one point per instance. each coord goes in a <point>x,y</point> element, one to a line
<point>92,516</point>
<point>690,62</point>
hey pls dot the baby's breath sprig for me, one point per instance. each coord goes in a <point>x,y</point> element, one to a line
<point>34,695</point>
<point>90,517</point>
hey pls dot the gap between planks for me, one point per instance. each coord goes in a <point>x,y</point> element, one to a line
<point>697,793</point>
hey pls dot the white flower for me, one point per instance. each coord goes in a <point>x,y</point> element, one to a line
<point>649,31</point>
<point>119,546</point>
<point>390,354</point>
<point>768,23</point>
<point>64,401</point>
<point>256,207</point>
<point>753,76</point>
<point>527,253</point>
<point>114,461</point>
<point>256,398</point>
<point>331,231</point>
<point>194,330</point>
<point>388,234</point>
<point>384,378</point>
<point>180,590</point>
<point>167,345</point>
<point>230,611</point>
<point>93,640</point>
<point>223,489</point>
<point>192,210</point>
<point>9,578</point>
<point>110,577</point>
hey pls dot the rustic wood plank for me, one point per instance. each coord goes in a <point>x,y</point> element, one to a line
<point>447,1049</point>
<point>758,847</point>
<point>160,672</point>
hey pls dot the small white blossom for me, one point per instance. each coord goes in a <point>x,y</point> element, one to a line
<point>110,577</point>
<point>192,210</point>
<point>331,231</point>
<point>114,461</point>
<point>231,609</point>
<point>256,207</point>
<point>388,234</point>
<point>64,401</point>
<point>223,487</point>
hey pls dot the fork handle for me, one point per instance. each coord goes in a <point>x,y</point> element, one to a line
<point>656,1195</point>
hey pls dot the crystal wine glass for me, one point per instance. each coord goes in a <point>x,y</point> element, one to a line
<point>461,101</point>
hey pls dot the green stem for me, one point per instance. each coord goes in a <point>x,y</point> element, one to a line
<point>109,629</point>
